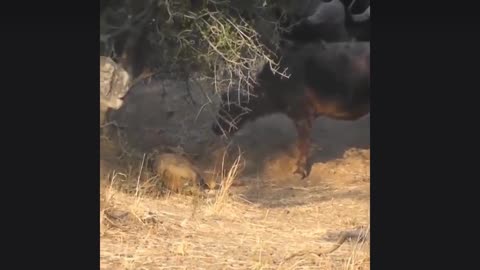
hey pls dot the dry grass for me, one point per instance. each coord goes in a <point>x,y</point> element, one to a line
<point>226,181</point>
<point>143,230</point>
<point>358,260</point>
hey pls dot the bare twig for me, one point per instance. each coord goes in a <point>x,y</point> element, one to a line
<point>139,175</point>
<point>343,237</point>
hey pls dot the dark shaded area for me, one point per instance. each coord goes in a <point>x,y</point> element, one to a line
<point>269,196</point>
<point>167,111</point>
<point>273,135</point>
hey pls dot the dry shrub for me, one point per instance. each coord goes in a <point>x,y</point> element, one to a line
<point>214,39</point>
<point>234,51</point>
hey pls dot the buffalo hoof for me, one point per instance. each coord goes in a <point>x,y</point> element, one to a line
<point>302,172</point>
<point>303,169</point>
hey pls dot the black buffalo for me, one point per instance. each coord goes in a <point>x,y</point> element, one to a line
<point>329,20</point>
<point>326,79</point>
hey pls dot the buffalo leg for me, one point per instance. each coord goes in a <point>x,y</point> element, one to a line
<point>304,128</point>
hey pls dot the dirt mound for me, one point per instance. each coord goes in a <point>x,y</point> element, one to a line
<point>353,167</point>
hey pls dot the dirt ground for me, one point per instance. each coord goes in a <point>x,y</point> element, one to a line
<point>268,214</point>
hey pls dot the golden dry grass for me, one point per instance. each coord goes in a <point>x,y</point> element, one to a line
<point>229,228</point>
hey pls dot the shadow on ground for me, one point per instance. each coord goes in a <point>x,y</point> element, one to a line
<point>270,196</point>
<point>270,142</point>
